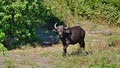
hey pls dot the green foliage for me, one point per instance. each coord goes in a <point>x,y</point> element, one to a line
<point>106,66</point>
<point>107,12</point>
<point>19,20</point>
<point>102,11</point>
<point>3,50</point>
<point>2,36</point>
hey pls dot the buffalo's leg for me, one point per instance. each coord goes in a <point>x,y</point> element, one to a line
<point>82,46</point>
<point>64,50</point>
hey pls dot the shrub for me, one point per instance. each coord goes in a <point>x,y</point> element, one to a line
<point>19,21</point>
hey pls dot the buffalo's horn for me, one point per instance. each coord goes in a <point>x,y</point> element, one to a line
<point>55,26</point>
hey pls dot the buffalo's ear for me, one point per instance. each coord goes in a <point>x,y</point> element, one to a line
<point>67,31</point>
<point>54,30</point>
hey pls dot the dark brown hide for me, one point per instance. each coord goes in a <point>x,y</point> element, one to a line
<point>71,35</point>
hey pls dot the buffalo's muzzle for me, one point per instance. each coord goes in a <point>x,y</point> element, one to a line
<point>60,34</point>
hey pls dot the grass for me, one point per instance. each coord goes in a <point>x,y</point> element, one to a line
<point>100,54</point>
<point>95,59</point>
<point>51,57</point>
<point>9,63</point>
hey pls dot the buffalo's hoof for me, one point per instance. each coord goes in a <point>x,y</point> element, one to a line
<point>63,54</point>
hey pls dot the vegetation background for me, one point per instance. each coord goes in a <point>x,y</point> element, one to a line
<point>19,19</point>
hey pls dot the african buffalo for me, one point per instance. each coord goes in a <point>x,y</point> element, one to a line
<point>70,35</point>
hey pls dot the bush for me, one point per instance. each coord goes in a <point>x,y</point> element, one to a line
<point>19,21</point>
<point>102,11</point>
<point>3,50</point>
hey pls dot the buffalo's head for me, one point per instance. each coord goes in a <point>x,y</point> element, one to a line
<point>60,29</point>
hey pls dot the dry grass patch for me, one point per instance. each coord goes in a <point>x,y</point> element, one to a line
<point>50,57</point>
<point>100,54</point>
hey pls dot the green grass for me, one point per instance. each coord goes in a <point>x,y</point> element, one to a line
<point>9,63</point>
<point>100,54</point>
<point>30,63</point>
<point>97,57</point>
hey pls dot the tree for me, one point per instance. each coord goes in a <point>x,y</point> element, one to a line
<point>19,20</point>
